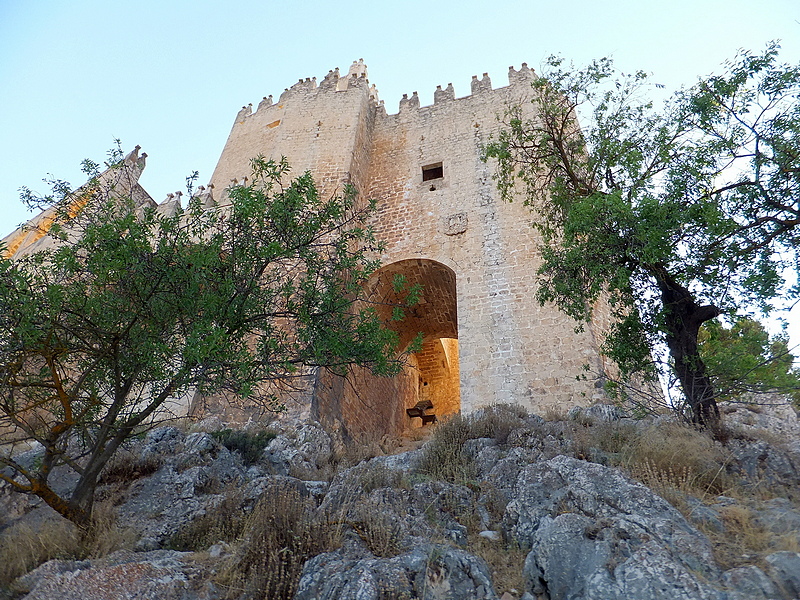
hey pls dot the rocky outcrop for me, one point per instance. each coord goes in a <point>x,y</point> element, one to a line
<point>429,572</point>
<point>301,448</point>
<point>595,534</point>
<point>154,575</point>
<point>582,530</point>
<point>195,470</point>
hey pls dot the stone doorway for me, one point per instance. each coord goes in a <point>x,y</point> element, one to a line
<point>367,406</point>
<point>432,372</point>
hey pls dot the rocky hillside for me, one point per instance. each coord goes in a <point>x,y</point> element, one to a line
<point>498,505</point>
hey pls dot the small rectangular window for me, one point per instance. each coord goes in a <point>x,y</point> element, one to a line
<point>434,171</point>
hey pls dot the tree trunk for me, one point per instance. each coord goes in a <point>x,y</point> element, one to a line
<point>68,510</point>
<point>683,318</point>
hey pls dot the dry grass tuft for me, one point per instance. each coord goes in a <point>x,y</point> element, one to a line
<point>106,535</point>
<point>743,540</point>
<point>443,458</point>
<point>378,527</point>
<point>554,413</point>
<point>284,530</point>
<point>25,546</point>
<point>125,466</point>
<point>679,457</point>
<point>223,523</point>
<point>505,561</point>
<point>374,476</point>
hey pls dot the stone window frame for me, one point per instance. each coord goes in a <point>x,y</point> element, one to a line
<point>433,175</point>
<point>433,171</point>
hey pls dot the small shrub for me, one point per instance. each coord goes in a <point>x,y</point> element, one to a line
<point>282,533</point>
<point>125,466</point>
<point>442,458</point>
<point>248,445</point>
<point>223,523</point>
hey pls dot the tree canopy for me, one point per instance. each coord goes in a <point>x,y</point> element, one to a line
<point>132,308</point>
<point>745,359</point>
<point>672,215</point>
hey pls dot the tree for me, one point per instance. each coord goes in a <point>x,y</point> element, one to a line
<point>131,308</point>
<point>674,215</point>
<point>744,359</point>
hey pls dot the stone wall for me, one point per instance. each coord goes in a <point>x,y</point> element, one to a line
<point>438,213</point>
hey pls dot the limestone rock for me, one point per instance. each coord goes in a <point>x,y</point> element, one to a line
<point>431,572</point>
<point>195,471</point>
<point>772,414</point>
<point>301,448</point>
<point>772,464</point>
<point>156,575</point>
<point>749,583</point>
<point>595,534</point>
<point>784,568</point>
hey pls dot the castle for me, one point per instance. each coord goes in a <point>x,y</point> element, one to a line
<point>486,339</point>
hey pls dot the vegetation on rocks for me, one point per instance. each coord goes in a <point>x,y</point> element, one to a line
<point>499,501</point>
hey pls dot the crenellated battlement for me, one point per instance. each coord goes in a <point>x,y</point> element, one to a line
<point>357,79</point>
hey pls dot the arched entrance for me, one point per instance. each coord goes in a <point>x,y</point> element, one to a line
<point>434,369</point>
<point>366,404</point>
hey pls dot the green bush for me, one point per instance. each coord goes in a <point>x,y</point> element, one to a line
<point>248,445</point>
<point>443,458</point>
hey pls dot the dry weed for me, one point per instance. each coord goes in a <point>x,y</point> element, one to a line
<point>106,534</point>
<point>284,530</point>
<point>442,456</point>
<point>743,541</point>
<point>125,466</point>
<point>24,547</point>
<point>374,476</point>
<point>505,561</point>
<point>681,457</point>
<point>554,413</point>
<point>378,527</point>
<point>223,523</point>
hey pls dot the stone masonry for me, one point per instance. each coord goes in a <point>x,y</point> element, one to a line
<point>445,227</point>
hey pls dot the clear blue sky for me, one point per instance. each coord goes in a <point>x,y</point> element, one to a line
<point>170,75</point>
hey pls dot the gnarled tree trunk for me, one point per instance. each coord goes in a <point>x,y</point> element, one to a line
<point>683,318</point>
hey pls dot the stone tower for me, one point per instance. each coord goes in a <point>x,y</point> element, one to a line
<point>486,340</point>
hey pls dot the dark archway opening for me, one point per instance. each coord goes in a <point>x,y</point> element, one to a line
<point>366,404</point>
